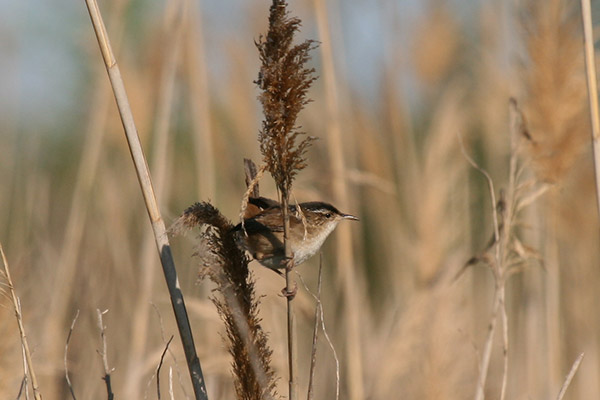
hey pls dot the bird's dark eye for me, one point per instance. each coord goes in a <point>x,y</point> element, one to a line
<point>328,215</point>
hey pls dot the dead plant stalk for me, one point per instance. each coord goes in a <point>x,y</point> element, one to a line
<point>158,225</point>
<point>290,286</point>
<point>498,270</point>
<point>17,306</point>
<point>104,355</point>
<point>284,81</point>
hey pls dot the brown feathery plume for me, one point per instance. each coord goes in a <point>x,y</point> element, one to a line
<point>284,81</point>
<point>226,265</point>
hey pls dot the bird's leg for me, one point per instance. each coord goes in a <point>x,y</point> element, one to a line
<point>290,294</point>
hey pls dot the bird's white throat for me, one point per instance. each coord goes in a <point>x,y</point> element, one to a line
<point>309,246</point>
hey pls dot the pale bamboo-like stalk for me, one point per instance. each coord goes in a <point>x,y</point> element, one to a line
<point>158,225</point>
<point>17,306</point>
<point>590,67</point>
<point>344,257</point>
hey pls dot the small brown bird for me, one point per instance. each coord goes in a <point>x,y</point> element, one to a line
<point>309,227</point>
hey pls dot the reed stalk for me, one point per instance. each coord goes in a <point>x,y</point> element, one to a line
<point>158,225</point>
<point>290,287</point>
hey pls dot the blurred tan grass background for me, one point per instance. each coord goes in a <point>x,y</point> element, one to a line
<point>77,237</point>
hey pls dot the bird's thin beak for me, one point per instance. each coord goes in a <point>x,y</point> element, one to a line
<point>351,217</point>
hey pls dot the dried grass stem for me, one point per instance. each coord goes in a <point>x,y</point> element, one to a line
<point>18,313</point>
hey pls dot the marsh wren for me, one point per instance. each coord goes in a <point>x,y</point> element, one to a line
<point>262,234</point>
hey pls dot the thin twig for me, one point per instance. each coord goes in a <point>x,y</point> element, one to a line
<point>66,354</point>
<point>499,292</point>
<point>329,342</point>
<point>517,128</point>
<point>590,68</point>
<point>24,344</point>
<point>487,350</point>
<point>335,356</point>
<point>158,225</point>
<point>174,358</point>
<point>569,377</point>
<point>313,358</point>
<point>25,363</point>
<point>490,183</point>
<point>23,386</point>
<point>103,355</point>
<point>162,357</point>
